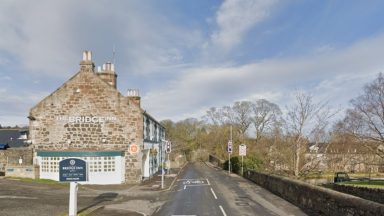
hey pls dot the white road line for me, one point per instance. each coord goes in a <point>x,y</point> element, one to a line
<point>208,182</point>
<point>213,192</point>
<point>222,210</point>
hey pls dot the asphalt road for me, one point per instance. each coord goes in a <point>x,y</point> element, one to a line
<point>203,190</point>
<point>199,189</point>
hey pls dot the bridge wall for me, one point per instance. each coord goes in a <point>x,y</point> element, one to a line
<point>321,200</point>
<point>373,194</point>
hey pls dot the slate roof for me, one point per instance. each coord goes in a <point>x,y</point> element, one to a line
<point>12,137</point>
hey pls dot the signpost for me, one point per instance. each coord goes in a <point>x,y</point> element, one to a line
<point>73,170</point>
<point>168,147</point>
<point>229,149</point>
<point>168,150</point>
<point>242,153</point>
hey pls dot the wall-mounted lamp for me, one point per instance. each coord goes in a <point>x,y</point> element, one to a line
<point>103,140</point>
<point>69,141</point>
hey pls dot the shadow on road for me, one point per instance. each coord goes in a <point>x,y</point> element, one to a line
<point>104,197</point>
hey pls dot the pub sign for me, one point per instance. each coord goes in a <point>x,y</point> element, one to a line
<point>72,170</point>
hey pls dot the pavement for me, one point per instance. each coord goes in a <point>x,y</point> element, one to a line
<point>25,198</point>
<point>131,200</point>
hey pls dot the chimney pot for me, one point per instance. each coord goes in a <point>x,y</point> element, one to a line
<point>87,55</point>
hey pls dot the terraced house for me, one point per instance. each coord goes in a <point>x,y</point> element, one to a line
<point>88,118</point>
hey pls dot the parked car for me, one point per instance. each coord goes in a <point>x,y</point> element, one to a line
<point>4,146</point>
<point>341,177</point>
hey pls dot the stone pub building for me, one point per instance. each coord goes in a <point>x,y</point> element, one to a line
<point>88,118</point>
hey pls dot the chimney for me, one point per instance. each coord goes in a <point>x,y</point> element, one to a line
<point>133,96</point>
<point>86,64</point>
<point>107,74</point>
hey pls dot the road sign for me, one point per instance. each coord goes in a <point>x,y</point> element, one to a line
<point>229,147</point>
<point>242,150</point>
<point>168,146</point>
<point>133,149</point>
<point>72,170</point>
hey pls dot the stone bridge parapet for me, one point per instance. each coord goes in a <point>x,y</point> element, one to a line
<point>318,199</point>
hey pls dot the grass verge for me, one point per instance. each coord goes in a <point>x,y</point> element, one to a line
<point>366,183</point>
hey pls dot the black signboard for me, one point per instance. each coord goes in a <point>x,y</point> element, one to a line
<point>73,170</point>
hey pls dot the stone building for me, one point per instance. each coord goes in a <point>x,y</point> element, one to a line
<point>88,118</point>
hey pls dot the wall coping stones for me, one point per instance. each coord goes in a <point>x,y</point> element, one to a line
<point>318,199</point>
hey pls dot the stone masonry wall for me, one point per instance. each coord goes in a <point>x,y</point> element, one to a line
<point>86,95</point>
<point>321,200</point>
<point>11,156</point>
<point>374,194</point>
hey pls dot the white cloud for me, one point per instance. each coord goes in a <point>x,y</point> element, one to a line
<point>15,105</point>
<point>337,75</point>
<point>48,36</point>
<point>19,103</point>
<point>236,17</point>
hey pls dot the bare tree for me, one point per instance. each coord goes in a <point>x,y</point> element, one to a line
<point>214,116</point>
<point>303,118</point>
<point>266,116</point>
<point>366,119</point>
<point>239,115</point>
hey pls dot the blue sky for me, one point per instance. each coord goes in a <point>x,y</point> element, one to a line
<point>187,56</point>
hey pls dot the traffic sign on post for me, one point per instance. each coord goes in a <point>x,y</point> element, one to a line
<point>168,147</point>
<point>242,153</point>
<point>229,148</point>
<point>242,150</point>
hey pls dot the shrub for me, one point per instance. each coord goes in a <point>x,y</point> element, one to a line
<point>250,163</point>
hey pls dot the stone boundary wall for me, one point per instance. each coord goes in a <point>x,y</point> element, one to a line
<point>318,199</point>
<point>373,194</point>
<point>11,156</point>
<point>28,171</point>
<point>216,161</point>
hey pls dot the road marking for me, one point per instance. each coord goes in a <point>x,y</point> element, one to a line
<point>197,185</point>
<point>222,210</point>
<point>188,179</point>
<point>185,187</point>
<point>213,192</point>
<point>208,182</point>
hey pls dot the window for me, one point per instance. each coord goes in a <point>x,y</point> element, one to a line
<point>95,164</point>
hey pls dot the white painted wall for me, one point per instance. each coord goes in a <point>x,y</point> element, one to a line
<point>111,177</point>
